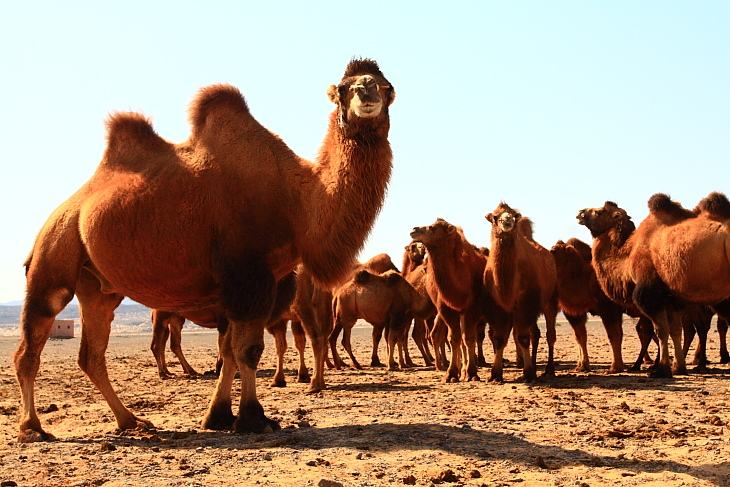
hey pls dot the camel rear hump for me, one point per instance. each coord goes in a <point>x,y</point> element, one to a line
<point>716,205</point>
<point>217,105</point>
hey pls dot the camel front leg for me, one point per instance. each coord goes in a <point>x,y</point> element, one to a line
<point>523,334</point>
<point>219,415</point>
<point>377,336</point>
<point>247,345</point>
<point>481,336</point>
<point>722,327</point>
<point>347,344</point>
<point>578,323</point>
<point>278,330</point>
<point>438,340</point>
<point>645,331</point>
<point>499,332</point>
<point>679,367</point>
<point>613,323</point>
<point>453,323</point>
<point>468,327</point>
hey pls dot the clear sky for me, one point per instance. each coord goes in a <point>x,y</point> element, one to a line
<point>550,106</point>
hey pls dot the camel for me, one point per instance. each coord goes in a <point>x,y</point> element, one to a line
<point>386,300</point>
<point>626,273</point>
<point>167,324</point>
<point>414,271</point>
<point>454,284</point>
<point>579,294</point>
<point>521,277</point>
<point>252,211</point>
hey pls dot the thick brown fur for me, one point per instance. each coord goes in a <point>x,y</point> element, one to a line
<point>454,284</point>
<point>715,205</point>
<point>668,211</point>
<point>251,211</point>
<point>521,278</point>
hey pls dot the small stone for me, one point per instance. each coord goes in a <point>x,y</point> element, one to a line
<point>540,462</point>
<point>312,463</point>
<point>8,483</point>
<point>155,449</point>
<point>624,406</point>
<point>409,480</point>
<point>715,421</point>
<point>105,446</point>
<point>628,474</point>
<point>179,435</point>
<point>475,474</point>
<point>447,475</point>
<point>268,457</point>
<point>49,409</point>
<point>329,483</point>
<point>515,470</point>
<point>304,424</point>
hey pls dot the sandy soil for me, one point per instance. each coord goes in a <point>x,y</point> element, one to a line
<point>374,427</point>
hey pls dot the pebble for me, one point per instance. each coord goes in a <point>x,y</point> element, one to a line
<point>409,480</point>
<point>329,483</point>
<point>8,483</point>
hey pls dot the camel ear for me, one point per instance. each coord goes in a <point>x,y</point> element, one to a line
<point>489,217</point>
<point>518,215</point>
<point>333,94</point>
<point>390,96</point>
<point>616,215</point>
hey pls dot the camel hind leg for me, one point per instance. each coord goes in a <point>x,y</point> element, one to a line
<point>160,335</point>
<point>97,313</point>
<point>578,322</point>
<point>176,326</point>
<point>300,342</point>
<point>347,344</point>
<point>278,330</point>
<point>613,324</point>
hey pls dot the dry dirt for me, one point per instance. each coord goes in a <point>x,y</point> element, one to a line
<point>374,427</point>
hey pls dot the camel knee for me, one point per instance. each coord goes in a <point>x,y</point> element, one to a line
<point>251,355</point>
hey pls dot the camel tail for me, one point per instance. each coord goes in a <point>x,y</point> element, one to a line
<point>668,211</point>
<point>130,138</point>
<point>216,101</point>
<point>716,205</point>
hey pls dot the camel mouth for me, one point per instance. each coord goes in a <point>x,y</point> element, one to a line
<point>582,217</point>
<point>368,109</point>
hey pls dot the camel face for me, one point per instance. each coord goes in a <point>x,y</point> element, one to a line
<point>363,94</point>
<point>433,234</point>
<point>503,219</point>
<point>600,220</point>
<point>416,251</point>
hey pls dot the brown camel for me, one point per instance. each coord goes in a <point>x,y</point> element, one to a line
<point>454,284</point>
<point>414,271</point>
<point>522,279</point>
<point>579,294</point>
<point>167,324</point>
<point>252,211</point>
<point>385,300</point>
<point>626,273</point>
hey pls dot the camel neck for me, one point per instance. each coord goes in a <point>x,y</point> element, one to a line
<point>351,177</point>
<point>450,274</point>
<point>503,264</point>
<point>610,259</point>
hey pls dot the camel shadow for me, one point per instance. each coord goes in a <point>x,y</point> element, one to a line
<point>466,442</point>
<point>618,381</point>
<point>392,386</point>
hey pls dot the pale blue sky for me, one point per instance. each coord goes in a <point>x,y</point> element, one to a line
<point>550,106</point>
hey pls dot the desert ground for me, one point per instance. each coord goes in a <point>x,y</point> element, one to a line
<point>374,427</point>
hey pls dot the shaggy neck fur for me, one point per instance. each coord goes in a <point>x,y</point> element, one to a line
<point>452,272</point>
<point>503,262</point>
<point>353,173</point>
<point>611,251</point>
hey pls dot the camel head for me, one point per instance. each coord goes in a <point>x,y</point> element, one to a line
<point>600,220</point>
<point>434,234</point>
<point>416,252</point>
<point>504,219</point>
<point>362,97</point>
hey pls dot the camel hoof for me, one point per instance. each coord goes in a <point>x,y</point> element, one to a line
<point>166,375</point>
<point>253,420</point>
<point>220,419</point>
<point>497,379</point>
<point>700,369</point>
<point>615,370</point>
<point>581,368</point>
<point>303,378</point>
<point>33,436</point>
<point>660,372</point>
<point>315,388</point>
<point>474,378</point>
<point>357,366</point>
<point>192,374</point>
<point>278,382</point>
<point>376,363</point>
<point>725,358</point>
<point>450,378</point>
<point>393,368</point>
<point>527,379</point>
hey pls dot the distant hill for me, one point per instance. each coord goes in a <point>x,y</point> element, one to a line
<point>128,312</point>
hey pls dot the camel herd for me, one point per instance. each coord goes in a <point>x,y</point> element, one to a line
<point>271,238</point>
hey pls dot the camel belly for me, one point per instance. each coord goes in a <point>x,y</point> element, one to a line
<point>144,247</point>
